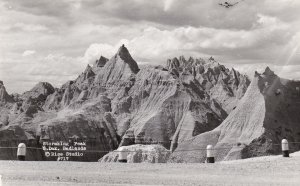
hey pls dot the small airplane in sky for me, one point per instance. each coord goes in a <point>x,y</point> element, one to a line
<point>229,5</point>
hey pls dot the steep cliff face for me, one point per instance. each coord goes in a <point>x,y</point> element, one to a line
<point>223,85</point>
<point>6,103</point>
<point>4,97</point>
<point>117,74</point>
<point>164,109</point>
<point>282,116</point>
<point>116,103</point>
<point>268,112</point>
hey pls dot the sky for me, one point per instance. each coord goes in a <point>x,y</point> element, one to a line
<point>54,40</point>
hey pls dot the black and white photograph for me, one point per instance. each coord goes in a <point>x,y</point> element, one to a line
<point>149,92</point>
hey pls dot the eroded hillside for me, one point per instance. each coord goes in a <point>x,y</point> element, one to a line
<point>115,102</point>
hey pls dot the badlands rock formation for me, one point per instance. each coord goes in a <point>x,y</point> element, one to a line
<point>4,97</point>
<point>115,103</point>
<point>268,112</point>
<point>100,62</point>
<point>140,154</point>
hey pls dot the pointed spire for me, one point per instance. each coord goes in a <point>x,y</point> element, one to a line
<point>88,72</point>
<point>123,50</point>
<point>182,59</point>
<point>100,62</point>
<point>268,72</point>
<point>191,59</point>
<point>88,68</point>
<point>4,96</point>
<point>256,74</point>
<point>124,54</point>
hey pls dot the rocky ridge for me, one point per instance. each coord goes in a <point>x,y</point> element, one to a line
<point>115,103</point>
<point>268,112</point>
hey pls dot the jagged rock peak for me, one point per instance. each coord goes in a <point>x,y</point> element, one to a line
<point>191,60</point>
<point>173,63</point>
<point>88,72</point>
<point>213,62</point>
<point>43,85</point>
<point>4,97</point>
<point>211,59</point>
<point>181,62</point>
<point>100,62</point>
<point>256,74</point>
<point>234,72</point>
<point>88,69</point>
<point>268,72</point>
<point>124,54</point>
<point>181,58</point>
<point>67,84</point>
<point>41,89</point>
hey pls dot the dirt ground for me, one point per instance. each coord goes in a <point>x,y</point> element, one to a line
<point>273,170</point>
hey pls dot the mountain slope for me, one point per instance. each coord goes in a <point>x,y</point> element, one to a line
<point>268,112</point>
<point>116,103</point>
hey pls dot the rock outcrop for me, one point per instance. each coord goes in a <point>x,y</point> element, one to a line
<point>140,154</point>
<point>4,96</point>
<point>39,91</point>
<point>100,62</point>
<point>224,85</point>
<point>267,113</point>
<point>6,104</point>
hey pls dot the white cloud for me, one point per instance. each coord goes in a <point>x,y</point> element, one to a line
<point>168,4</point>
<point>71,33</point>
<point>287,71</point>
<point>28,53</point>
<point>29,27</point>
<point>53,68</point>
<point>94,51</point>
<point>266,38</point>
<point>57,65</point>
<point>76,4</point>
